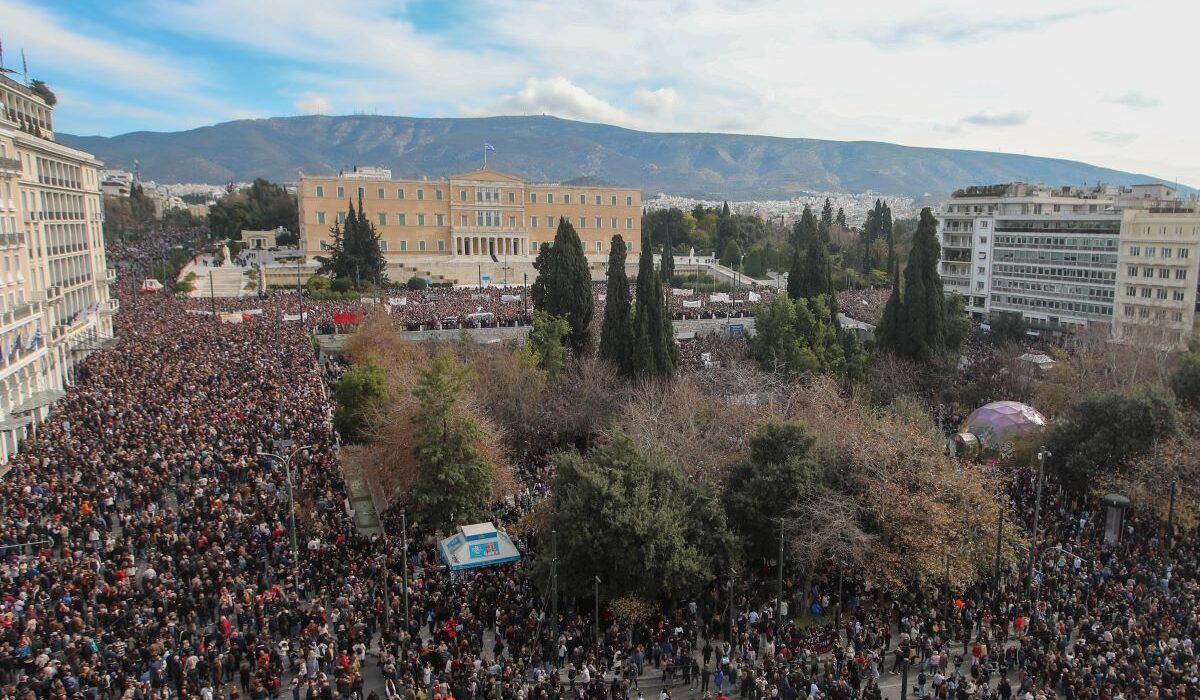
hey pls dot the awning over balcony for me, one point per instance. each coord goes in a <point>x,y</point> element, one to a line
<point>15,423</point>
<point>40,399</point>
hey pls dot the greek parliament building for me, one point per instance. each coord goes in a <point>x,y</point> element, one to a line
<point>484,215</point>
<point>1067,257</point>
<point>54,297</point>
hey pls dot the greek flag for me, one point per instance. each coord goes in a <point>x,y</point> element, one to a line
<point>36,340</point>
<point>488,147</point>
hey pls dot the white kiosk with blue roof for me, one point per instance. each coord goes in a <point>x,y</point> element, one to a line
<point>477,545</point>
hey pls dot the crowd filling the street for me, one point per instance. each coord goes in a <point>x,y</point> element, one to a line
<point>151,550</point>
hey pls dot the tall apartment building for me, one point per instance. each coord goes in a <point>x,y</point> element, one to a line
<point>54,297</point>
<point>472,216</point>
<point>1157,274</point>
<point>1049,254</point>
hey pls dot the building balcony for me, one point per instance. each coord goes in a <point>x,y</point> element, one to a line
<point>110,276</point>
<point>110,307</point>
<point>962,282</point>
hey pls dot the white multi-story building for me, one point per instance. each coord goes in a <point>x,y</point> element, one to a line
<point>1049,254</point>
<point>1157,274</point>
<point>54,298</point>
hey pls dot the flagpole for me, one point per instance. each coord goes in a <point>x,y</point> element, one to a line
<point>485,155</point>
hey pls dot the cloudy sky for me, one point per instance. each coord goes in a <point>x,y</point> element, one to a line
<point>1103,83</point>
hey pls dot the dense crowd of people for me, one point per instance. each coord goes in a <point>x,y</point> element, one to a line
<point>148,553</point>
<point>865,304</point>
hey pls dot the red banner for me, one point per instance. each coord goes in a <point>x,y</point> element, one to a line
<point>819,643</point>
<point>344,318</point>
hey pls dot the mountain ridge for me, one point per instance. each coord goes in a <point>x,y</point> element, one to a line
<point>542,148</point>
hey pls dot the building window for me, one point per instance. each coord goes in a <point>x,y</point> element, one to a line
<point>1147,272</point>
<point>341,217</point>
<point>598,200</point>
<point>1181,274</point>
<point>380,194</point>
<point>567,198</point>
<point>614,202</point>
<point>1149,252</point>
<point>628,223</point>
<point>1135,251</point>
<point>599,222</point>
<point>1165,252</point>
<point>362,192</point>
<point>437,194</point>
<point>1145,292</point>
<point>321,218</point>
<point>462,220</point>
<point>1160,294</point>
<point>341,191</point>
<point>399,193</point>
<point>533,222</point>
<point>512,197</point>
<point>420,194</point>
<point>599,246</point>
<point>982,270</point>
<point>441,219</point>
<point>982,255</point>
<point>401,220</point>
<point>382,245</point>
<point>628,201</point>
<point>383,219</point>
<point>324,245</point>
<point>1132,271</point>
<point>320,191</point>
<point>549,222</point>
<point>421,246</point>
<point>533,246</point>
<point>1129,311</point>
<point>1164,273</point>
<point>583,222</point>
<point>403,246</point>
<point>533,197</point>
<point>512,222</point>
<point>1177,295</point>
<point>628,246</point>
<point>441,246</point>
<point>1130,290</point>
<point>1183,253</point>
<point>549,198</point>
<point>612,223</point>
<point>420,218</point>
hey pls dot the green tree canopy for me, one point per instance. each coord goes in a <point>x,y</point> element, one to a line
<point>363,387</point>
<point>731,257</point>
<point>1105,432</point>
<point>654,351</point>
<point>914,325</point>
<point>616,341</point>
<point>780,474</point>
<point>635,521</point>
<point>263,206</point>
<point>564,285</point>
<point>354,254</point>
<point>453,478</point>
<point>1185,380</point>
<point>797,337</point>
<point>545,342</point>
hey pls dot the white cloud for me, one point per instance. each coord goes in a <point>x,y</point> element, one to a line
<point>658,102</point>
<point>1115,138</point>
<point>1005,119</point>
<point>561,98</point>
<point>1135,99</point>
<point>313,103</point>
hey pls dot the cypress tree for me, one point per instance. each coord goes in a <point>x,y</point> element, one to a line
<point>666,267</point>
<point>826,222</point>
<point>564,284</point>
<point>914,320</point>
<point>615,341</point>
<point>840,219</point>
<point>725,209</point>
<point>654,351</point>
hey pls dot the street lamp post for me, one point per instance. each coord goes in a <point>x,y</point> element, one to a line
<point>404,546</point>
<point>1037,511</point>
<point>596,611</point>
<point>287,467</point>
